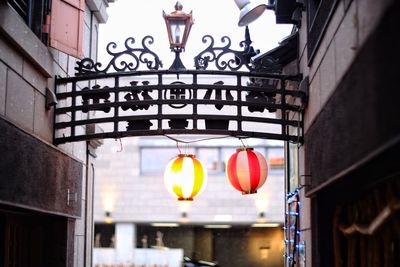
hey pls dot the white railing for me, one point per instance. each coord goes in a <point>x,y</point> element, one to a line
<point>140,257</point>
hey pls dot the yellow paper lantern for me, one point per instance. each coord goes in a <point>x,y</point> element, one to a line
<point>185,177</point>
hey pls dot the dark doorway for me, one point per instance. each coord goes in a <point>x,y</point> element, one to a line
<point>32,239</point>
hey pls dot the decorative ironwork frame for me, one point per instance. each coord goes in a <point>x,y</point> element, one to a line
<point>220,56</point>
<point>119,93</point>
<point>117,63</point>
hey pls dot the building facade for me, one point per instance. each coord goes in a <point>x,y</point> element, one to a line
<point>45,191</point>
<point>347,177</point>
<point>132,206</point>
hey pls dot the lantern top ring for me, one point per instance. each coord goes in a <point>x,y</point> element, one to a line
<point>244,149</point>
<point>185,199</point>
<point>187,155</point>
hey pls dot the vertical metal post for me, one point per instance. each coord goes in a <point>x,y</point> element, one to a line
<point>73,104</point>
<point>54,110</point>
<point>116,108</point>
<point>195,98</point>
<point>283,108</point>
<point>239,100</point>
<point>160,97</point>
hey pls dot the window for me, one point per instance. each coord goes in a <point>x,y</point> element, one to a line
<point>59,24</point>
<point>319,13</point>
<point>210,157</point>
<point>66,28</point>
<point>104,235</point>
<point>154,159</point>
<point>275,158</point>
<point>34,13</point>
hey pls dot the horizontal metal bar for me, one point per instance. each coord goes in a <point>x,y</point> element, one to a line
<point>87,77</point>
<point>128,89</point>
<point>120,134</point>
<point>176,101</point>
<point>61,125</point>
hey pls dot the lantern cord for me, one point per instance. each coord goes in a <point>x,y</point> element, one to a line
<point>241,140</point>
<point>177,146</point>
<point>120,145</point>
<point>194,141</point>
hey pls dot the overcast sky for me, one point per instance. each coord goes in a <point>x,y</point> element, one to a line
<point>132,18</point>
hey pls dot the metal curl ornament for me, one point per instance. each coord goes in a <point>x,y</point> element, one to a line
<point>119,62</point>
<point>217,54</point>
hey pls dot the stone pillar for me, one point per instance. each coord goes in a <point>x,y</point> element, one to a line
<point>125,239</point>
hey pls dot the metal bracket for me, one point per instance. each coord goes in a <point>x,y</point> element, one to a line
<point>305,180</point>
<point>71,197</point>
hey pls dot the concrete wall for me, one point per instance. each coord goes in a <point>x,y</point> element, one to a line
<point>346,34</point>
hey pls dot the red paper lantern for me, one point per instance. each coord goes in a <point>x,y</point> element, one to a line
<point>247,170</point>
<point>185,177</point>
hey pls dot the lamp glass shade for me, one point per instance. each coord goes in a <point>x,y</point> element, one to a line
<point>247,170</point>
<point>178,25</point>
<point>185,177</point>
<point>177,29</point>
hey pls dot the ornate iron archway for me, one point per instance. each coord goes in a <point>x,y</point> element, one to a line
<point>126,101</point>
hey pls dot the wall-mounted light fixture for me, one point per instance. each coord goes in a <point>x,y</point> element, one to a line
<point>184,217</point>
<point>264,250</point>
<point>261,217</point>
<point>51,99</point>
<point>184,208</point>
<point>287,12</point>
<point>107,217</point>
<point>261,202</point>
<point>250,11</point>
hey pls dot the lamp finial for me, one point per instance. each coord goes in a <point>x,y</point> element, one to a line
<point>178,6</point>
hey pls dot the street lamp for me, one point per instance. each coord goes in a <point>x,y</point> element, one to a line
<point>178,26</point>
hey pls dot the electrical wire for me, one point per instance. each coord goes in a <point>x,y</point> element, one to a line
<point>198,140</point>
<point>121,148</point>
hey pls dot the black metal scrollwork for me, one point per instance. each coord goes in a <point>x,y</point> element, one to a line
<point>133,97</point>
<point>261,97</point>
<point>95,95</point>
<point>225,57</point>
<point>182,93</point>
<point>126,60</point>
<point>268,64</point>
<point>218,95</point>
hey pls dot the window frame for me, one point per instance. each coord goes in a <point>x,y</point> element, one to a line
<point>61,24</point>
<point>318,18</point>
<point>53,30</point>
<point>33,13</point>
